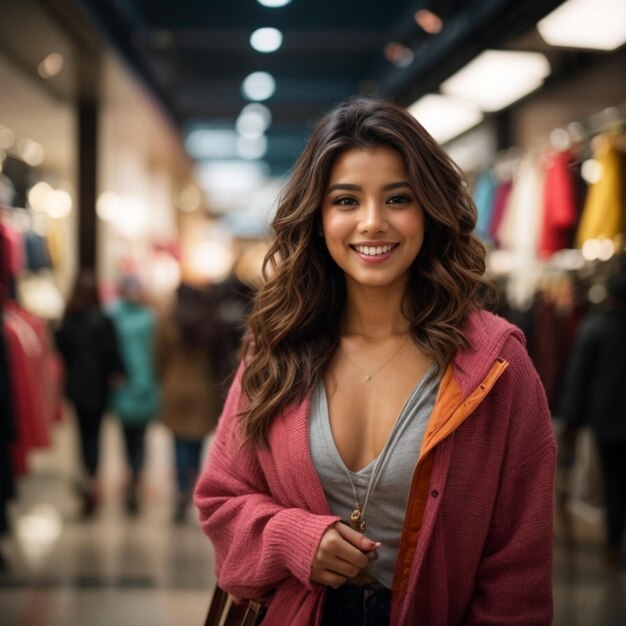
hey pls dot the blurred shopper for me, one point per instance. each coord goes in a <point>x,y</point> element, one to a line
<point>135,402</point>
<point>385,453</point>
<point>88,343</point>
<point>190,394</point>
<point>595,395</point>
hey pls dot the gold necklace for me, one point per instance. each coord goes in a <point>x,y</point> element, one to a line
<point>368,377</point>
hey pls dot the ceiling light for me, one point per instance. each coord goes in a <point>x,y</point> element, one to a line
<point>445,117</point>
<point>398,54</point>
<point>51,65</point>
<point>598,24</point>
<point>253,120</point>
<point>252,147</point>
<point>211,143</point>
<point>497,78</point>
<point>274,4</point>
<point>226,182</point>
<point>258,86</point>
<point>428,21</point>
<point>266,39</point>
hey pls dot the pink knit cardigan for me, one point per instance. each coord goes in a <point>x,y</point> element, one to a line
<point>478,546</point>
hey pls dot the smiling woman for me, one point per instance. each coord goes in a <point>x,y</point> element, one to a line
<point>372,223</point>
<point>385,451</point>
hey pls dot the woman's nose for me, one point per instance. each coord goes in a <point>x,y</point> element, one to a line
<point>373,218</point>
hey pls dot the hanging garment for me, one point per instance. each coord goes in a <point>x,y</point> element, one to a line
<point>29,384</point>
<point>37,255</point>
<point>603,215</point>
<point>559,204</point>
<point>500,203</point>
<point>42,358</point>
<point>11,259</point>
<point>519,229</point>
<point>484,197</point>
<point>57,242</point>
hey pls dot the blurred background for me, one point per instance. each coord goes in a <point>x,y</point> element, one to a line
<point>142,148</point>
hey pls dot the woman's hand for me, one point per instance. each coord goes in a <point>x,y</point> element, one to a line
<point>341,554</point>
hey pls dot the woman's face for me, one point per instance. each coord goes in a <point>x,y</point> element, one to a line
<point>372,222</point>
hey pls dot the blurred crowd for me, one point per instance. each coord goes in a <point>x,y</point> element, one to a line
<point>142,364</point>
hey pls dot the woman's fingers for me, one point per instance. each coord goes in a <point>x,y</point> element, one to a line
<point>331,579</point>
<point>357,539</point>
<point>334,546</point>
<point>341,554</point>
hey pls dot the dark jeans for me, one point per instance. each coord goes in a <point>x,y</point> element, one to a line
<point>187,453</point>
<point>134,438</point>
<point>613,461</point>
<point>89,422</point>
<point>357,606</point>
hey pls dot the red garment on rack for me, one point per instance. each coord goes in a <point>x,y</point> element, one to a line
<point>28,371</point>
<point>11,256</point>
<point>559,199</point>
<point>49,368</point>
<point>14,255</point>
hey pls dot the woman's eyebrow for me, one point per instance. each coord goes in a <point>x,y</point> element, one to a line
<point>400,183</point>
<point>344,187</point>
<point>352,187</point>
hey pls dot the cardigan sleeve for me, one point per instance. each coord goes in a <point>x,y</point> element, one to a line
<point>258,542</point>
<point>513,582</point>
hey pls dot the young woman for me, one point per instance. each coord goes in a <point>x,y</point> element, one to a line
<point>88,344</point>
<point>385,454</point>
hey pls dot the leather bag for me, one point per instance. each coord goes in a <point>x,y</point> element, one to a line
<point>223,611</point>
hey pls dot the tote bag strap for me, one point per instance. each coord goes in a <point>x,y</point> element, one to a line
<point>218,610</point>
<point>224,612</point>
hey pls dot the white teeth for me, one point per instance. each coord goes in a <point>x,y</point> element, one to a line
<point>373,251</point>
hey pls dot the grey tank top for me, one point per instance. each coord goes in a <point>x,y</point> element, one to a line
<point>387,503</point>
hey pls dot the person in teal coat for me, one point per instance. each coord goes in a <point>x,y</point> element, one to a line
<point>135,402</point>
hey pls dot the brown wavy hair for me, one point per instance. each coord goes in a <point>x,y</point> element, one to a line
<point>296,317</point>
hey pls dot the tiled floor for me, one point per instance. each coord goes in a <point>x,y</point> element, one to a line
<point>119,571</point>
<point>111,570</point>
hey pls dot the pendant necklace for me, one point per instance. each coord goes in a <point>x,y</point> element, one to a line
<point>357,517</point>
<point>369,376</point>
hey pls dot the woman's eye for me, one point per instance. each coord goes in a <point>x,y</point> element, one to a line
<point>344,201</point>
<point>398,200</point>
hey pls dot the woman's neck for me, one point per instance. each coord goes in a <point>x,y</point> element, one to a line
<point>374,313</point>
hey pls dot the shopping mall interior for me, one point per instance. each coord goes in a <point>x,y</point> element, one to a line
<point>144,146</point>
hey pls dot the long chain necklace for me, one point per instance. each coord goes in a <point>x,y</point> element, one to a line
<point>357,520</point>
<point>357,517</point>
<point>369,376</point>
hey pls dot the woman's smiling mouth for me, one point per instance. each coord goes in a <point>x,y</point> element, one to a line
<point>377,253</point>
<point>374,250</point>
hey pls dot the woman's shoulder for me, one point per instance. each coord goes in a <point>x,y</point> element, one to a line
<point>489,338</point>
<point>483,323</point>
<point>489,334</point>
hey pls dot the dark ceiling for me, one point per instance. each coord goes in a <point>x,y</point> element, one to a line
<point>194,54</point>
